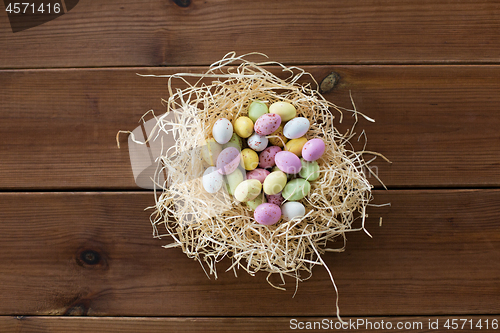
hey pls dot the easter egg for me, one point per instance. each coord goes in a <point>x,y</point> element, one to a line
<point>235,142</point>
<point>275,182</point>
<point>288,162</point>
<point>233,180</point>
<point>279,139</point>
<point>257,142</point>
<point>257,109</point>
<point>267,124</point>
<point>248,190</point>
<point>296,189</point>
<point>313,149</point>
<point>295,146</point>
<point>253,204</point>
<point>284,109</point>
<point>296,128</point>
<point>292,209</point>
<point>212,180</point>
<point>266,157</point>
<point>310,170</point>
<point>276,199</point>
<point>228,160</point>
<point>210,151</point>
<point>222,130</point>
<point>243,126</point>
<point>258,173</point>
<point>250,159</point>
<point>267,214</point>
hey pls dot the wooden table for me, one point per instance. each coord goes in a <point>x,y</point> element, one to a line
<point>76,250</point>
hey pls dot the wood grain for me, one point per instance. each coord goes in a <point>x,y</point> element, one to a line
<point>436,123</point>
<point>152,33</point>
<point>435,254</point>
<point>231,324</point>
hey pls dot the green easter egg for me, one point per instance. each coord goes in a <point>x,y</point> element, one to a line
<point>257,109</point>
<point>309,170</point>
<point>296,189</point>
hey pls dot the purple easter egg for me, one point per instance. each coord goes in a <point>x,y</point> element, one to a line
<point>259,174</point>
<point>228,160</point>
<point>267,124</point>
<point>313,149</point>
<point>276,199</point>
<point>266,157</point>
<point>267,213</point>
<point>288,162</point>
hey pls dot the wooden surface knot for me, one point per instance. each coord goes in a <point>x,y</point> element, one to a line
<point>329,82</point>
<point>90,258</point>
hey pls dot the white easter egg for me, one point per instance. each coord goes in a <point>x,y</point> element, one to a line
<point>257,142</point>
<point>222,131</point>
<point>292,209</point>
<point>296,128</point>
<point>212,180</point>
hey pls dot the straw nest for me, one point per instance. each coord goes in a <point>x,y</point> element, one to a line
<point>211,227</point>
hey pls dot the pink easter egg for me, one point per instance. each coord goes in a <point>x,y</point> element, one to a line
<point>267,213</point>
<point>288,162</point>
<point>267,123</point>
<point>259,174</point>
<point>228,160</point>
<point>313,149</point>
<point>276,199</point>
<point>266,157</point>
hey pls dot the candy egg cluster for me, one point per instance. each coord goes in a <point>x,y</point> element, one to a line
<point>264,159</point>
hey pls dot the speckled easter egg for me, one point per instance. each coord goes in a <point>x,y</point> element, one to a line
<point>228,160</point>
<point>275,182</point>
<point>296,189</point>
<point>210,151</point>
<point>257,109</point>
<point>267,124</point>
<point>276,199</point>
<point>222,130</point>
<point>310,170</point>
<point>247,190</point>
<point>288,162</point>
<point>296,127</point>
<point>257,142</point>
<point>295,146</point>
<point>243,126</point>
<point>266,157</point>
<point>267,214</point>
<point>212,180</point>
<point>279,139</point>
<point>233,180</point>
<point>284,109</point>
<point>313,149</point>
<point>253,204</point>
<point>292,209</point>
<point>259,174</point>
<point>250,159</point>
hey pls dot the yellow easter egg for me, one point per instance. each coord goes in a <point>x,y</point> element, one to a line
<point>243,126</point>
<point>275,182</point>
<point>250,159</point>
<point>278,141</point>
<point>284,109</point>
<point>248,190</point>
<point>295,146</point>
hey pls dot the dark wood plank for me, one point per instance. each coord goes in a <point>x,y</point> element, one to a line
<point>151,33</point>
<point>436,123</point>
<point>239,324</point>
<point>435,254</point>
